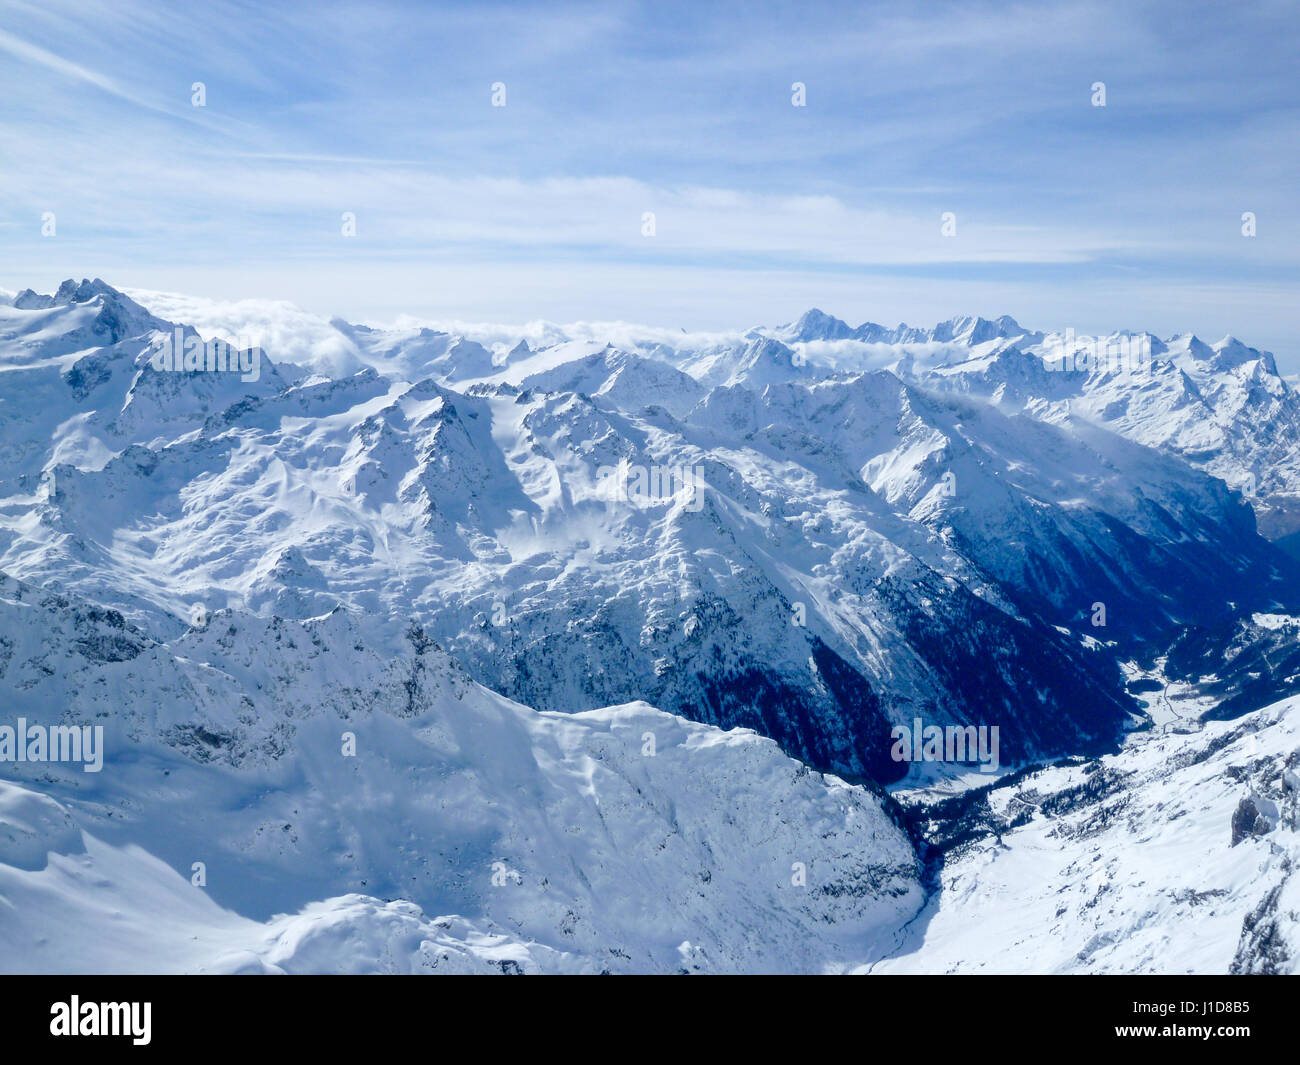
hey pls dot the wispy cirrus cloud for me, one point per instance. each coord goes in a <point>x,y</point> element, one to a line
<point>977,109</point>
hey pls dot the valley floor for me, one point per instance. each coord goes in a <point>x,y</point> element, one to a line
<point>1174,855</point>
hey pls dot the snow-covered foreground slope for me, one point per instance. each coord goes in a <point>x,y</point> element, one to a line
<point>470,834</point>
<point>1179,854</point>
<point>466,831</point>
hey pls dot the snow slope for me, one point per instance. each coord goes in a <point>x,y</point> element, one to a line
<point>1177,855</point>
<point>623,839</point>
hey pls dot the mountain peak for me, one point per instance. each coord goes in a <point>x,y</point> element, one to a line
<point>73,292</point>
<point>816,324</point>
<point>1229,353</point>
<point>976,330</point>
<point>1196,347</point>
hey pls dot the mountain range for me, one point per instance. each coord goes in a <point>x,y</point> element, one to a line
<point>424,538</point>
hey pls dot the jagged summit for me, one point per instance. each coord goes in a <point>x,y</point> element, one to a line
<point>976,330</point>
<point>69,292</point>
<point>1230,353</point>
<point>817,325</point>
<point>90,309</point>
<point>72,291</point>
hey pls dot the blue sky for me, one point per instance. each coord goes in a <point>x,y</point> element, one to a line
<point>1067,215</point>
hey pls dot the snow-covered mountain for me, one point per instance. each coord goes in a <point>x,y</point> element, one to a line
<point>814,531</point>
<point>462,831</point>
<point>861,549</point>
<point>1223,408</point>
